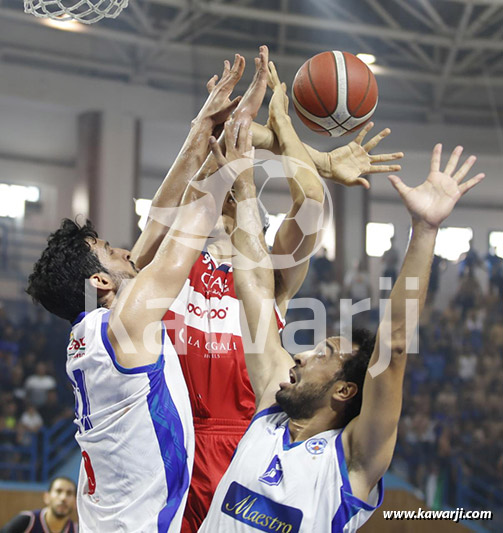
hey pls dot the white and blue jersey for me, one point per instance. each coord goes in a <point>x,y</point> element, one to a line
<point>135,432</point>
<point>275,485</point>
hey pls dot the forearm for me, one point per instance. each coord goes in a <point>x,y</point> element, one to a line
<point>252,265</point>
<point>169,194</point>
<point>306,183</point>
<point>190,158</point>
<point>265,139</point>
<point>412,283</point>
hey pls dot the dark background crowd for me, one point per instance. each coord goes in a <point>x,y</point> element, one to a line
<point>34,392</point>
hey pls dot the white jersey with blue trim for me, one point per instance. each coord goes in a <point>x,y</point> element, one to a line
<point>135,432</point>
<point>275,485</point>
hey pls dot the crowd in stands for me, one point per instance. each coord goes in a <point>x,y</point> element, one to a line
<point>450,442</point>
<point>34,393</point>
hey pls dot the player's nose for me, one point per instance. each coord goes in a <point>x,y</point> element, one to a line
<point>126,254</point>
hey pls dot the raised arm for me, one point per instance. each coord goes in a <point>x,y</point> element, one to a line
<point>193,153</point>
<point>344,165</point>
<point>134,325</point>
<point>266,361</point>
<point>370,438</point>
<point>306,190</point>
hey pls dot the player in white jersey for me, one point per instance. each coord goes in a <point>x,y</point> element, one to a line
<point>315,453</point>
<point>132,407</point>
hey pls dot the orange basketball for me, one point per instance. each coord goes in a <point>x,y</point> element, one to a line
<point>334,93</point>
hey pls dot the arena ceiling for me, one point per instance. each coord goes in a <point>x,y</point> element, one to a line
<point>436,59</point>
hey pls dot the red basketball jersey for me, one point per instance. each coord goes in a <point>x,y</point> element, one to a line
<point>203,325</point>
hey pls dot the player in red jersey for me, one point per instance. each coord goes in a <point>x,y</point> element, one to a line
<point>203,322</point>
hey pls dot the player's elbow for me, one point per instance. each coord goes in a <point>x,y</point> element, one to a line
<point>312,192</point>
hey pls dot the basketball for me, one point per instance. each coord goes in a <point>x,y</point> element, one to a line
<point>334,93</point>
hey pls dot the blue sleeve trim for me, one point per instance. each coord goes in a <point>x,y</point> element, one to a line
<point>350,505</point>
<point>269,411</point>
<point>79,318</point>
<point>135,370</point>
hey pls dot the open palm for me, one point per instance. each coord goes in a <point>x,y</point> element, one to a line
<point>433,200</point>
<point>348,163</point>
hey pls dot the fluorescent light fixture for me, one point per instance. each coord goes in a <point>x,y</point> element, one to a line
<point>452,242</point>
<point>142,208</point>
<point>32,194</point>
<point>13,198</point>
<point>496,242</point>
<point>65,25</point>
<point>368,59</point>
<point>378,238</point>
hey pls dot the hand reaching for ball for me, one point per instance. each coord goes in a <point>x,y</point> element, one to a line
<point>346,165</point>
<point>278,106</point>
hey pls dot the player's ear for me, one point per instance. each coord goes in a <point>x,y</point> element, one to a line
<point>343,391</point>
<point>47,500</point>
<point>101,281</point>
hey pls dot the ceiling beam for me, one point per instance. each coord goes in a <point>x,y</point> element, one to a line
<point>435,16</point>
<point>453,52</point>
<point>388,19</point>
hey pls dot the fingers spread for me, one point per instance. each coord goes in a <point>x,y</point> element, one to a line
<point>435,158</point>
<point>399,185</point>
<point>453,160</point>
<point>381,169</point>
<point>381,158</point>
<point>464,169</point>
<point>376,140</point>
<point>465,187</point>
<point>363,182</point>
<point>273,76</point>
<point>361,136</point>
<point>211,83</point>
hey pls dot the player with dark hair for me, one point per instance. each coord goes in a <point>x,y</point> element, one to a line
<point>314,454</point>
<point>59,503</point>
<point>132,410</point>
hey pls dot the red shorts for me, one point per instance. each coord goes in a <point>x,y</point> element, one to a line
<point>216,440</point>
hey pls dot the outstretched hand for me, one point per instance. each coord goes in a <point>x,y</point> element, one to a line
<point>278,105</point>
<point>346,165</point>
<point>218,105</point>
<point>249,105</point>
<point>432,201</point>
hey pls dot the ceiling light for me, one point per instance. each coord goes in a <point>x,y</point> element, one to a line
<point>368,59</point>
<point>65,25</point>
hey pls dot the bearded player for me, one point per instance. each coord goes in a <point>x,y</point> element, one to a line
<point>325,430</point>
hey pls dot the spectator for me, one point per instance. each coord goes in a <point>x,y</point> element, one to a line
<point>52,411</point>
<point>39,384</point>
<point>59,503</point>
